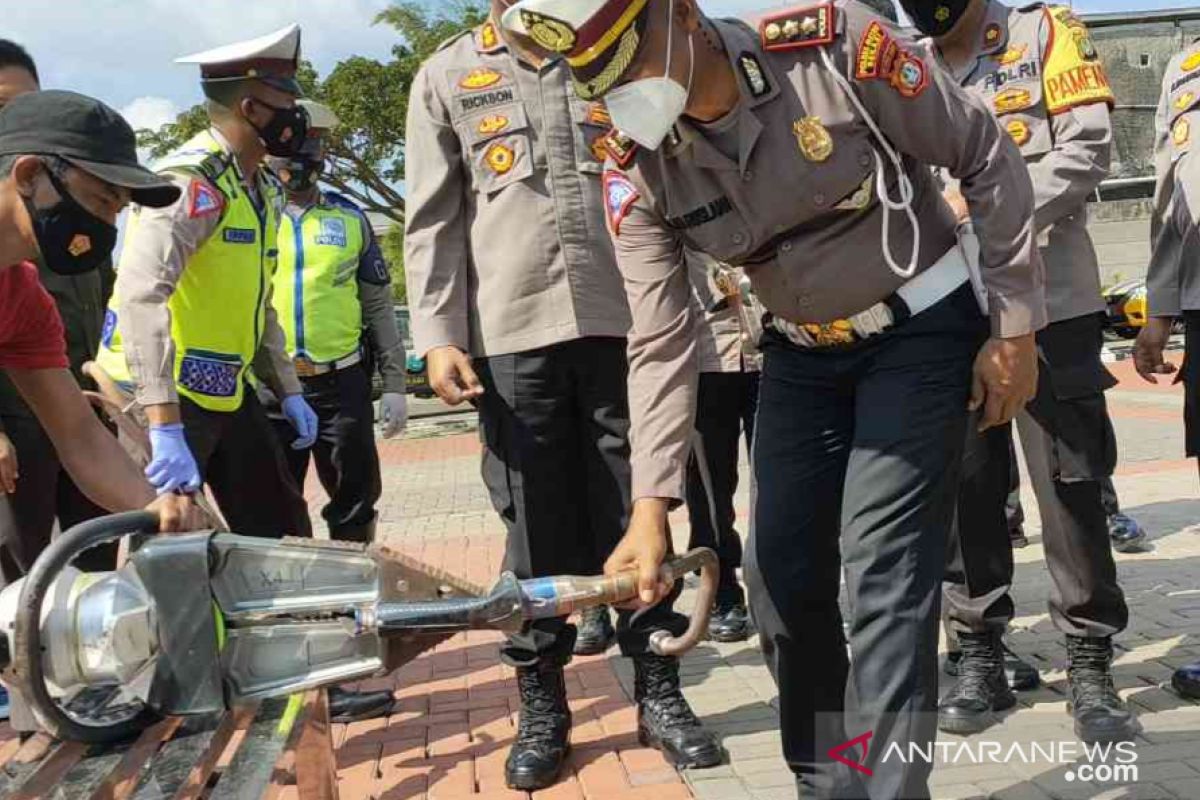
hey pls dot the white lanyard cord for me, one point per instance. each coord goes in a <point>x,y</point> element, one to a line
<point>905,185</point>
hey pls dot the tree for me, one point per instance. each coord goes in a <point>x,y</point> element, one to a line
<point>366,151</point>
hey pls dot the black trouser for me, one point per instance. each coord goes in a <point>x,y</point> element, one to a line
<point>242,461</point>
<point>555,427</point>
<point>44,491</point>
<point>345,453</point>
<point>725,407</point>
<point>1070,448</point>
<point>861,444</point>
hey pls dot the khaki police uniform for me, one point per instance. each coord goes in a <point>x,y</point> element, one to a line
<point>860,423</point>
<point>507,258</point>
<point>228,432</point>
<point>726,404</point>
<point>1038,71</point>
<point>1173,279</point>
<point>331,289</point>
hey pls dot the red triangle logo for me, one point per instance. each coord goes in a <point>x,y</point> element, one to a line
<point>858,763</point>
<point>203,199</point>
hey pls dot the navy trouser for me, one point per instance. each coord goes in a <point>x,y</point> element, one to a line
<point>856,459</point>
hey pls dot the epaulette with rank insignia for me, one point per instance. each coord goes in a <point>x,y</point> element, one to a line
<point>620,147</point>
<point>799,27</point>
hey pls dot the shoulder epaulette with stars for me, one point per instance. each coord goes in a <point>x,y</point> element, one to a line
<point>807,26</point>
<point>620,147</point>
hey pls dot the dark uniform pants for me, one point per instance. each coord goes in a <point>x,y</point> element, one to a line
<point>725,407</point>
<point>345,453</point>
<point>44,491</point>
<point>242,461</point>
<point>1189,376</point>
<point>1070,448</point>
<point>859,444</point>
<point>555,429</point>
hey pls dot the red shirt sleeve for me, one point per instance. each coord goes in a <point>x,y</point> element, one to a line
<point>31,332</point>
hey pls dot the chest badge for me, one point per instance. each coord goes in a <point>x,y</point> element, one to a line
<point>500,158</point>
<point>492,123</point>
<point>479,78</point>
<point>1019,131</point>
<point>1184,101</point>
<point>1012,55</point>
<point>1181,133</point>
<point>814,140</point>
<point>1012,100</point>
<point>1191,62</point>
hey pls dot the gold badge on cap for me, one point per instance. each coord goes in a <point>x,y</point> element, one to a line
<point>815,142</point>
<point>500,158</point>
<point>942,14</point>
<point>1181,132</point>
<point>79,245</point>
<point>548,32</point>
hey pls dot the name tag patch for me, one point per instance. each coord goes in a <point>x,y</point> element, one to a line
<point>475,102</point>
<point>240,235</point>
<point>333,232</point>
<point>707,213</point>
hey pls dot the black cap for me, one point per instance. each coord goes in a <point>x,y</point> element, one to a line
<point>86,133</point>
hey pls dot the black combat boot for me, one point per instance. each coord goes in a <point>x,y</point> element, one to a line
<point>1186,680</point>
<point>1100,715</point>
<point>730,622</point>
<point>347,706</point>
<point>665,720</point>
<point>595,631</point>
<point>544,729</point>
<point>1022,676</point>
<point>981,689</point>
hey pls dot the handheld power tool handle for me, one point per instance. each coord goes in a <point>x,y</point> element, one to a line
<point>27,628</point>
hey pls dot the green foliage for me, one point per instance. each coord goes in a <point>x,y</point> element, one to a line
<point>366,152</point>
<point>392,245</point>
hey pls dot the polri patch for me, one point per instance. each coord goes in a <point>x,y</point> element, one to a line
<point>203,199</point>
<point>619,196</point>
<point>799,27</point>
<point>333,232</point>
<point>240,235</point>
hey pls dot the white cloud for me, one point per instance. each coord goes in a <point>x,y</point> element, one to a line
<point>150,113</point>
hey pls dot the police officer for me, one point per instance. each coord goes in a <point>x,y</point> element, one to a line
<point>331,283</point>
<point>799,152</point>
<point>1173,280</point>
<point>726,402</point>
<point>1037,70</point>
<point>191,312</point>
<point>517,306</point>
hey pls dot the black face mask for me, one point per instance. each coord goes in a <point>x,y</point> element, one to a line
<point>71,239</point>
<point>934,17</point>
<point>294,119</point>
<point>302,173</point>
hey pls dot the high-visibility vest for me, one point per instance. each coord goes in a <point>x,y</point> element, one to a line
<point>219,304</point>
<point>316,286</point>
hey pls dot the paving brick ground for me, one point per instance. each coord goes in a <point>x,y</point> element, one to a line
<point>456,719</point>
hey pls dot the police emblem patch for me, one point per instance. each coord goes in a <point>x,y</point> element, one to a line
<point>1012,100</point>
<point>80,244</point>
<point>619,196</point>
<point>1019,131</point>
<point>333,232</point>
<point>203,199</point>
<point>814,140</point>
<point>752,71</point>
<point>910,76</point>
<point>500,158</point>
<point>479,78</point>
<point>492,123</point>
<point>1181,133</point>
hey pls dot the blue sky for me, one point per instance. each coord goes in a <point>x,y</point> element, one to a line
<point>122,50</point>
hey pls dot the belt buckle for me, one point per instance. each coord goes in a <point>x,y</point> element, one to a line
<point>305,368</point>
<point>831,334</point>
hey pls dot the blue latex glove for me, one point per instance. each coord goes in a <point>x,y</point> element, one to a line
<point>172,467</point>
<point>300,414</point>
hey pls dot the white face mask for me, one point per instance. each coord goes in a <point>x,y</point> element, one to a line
<point>647,109</point>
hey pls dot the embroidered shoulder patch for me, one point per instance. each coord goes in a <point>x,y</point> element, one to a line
<point>203,199</point>
<point>799,27</point>
<point>1072,74</point>
<point>870,52</point>
<point>880,57</point>
<point>620,148</point>
<point>619,196</point>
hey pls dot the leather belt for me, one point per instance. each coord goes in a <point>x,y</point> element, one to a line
<point>307,368</point>
<point>925,290</point>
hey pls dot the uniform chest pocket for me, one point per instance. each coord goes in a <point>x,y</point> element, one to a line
<point>1014,94</point>
<point>500,147</point>
<point>591,123</point>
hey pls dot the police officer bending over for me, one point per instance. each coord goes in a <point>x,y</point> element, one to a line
<point>1173,280</point>
<point>800,152</point>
